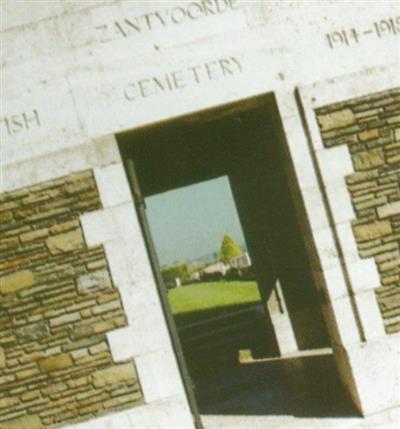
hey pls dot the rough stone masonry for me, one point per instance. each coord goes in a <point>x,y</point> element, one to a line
<point>57,301</point>
<point>370,127</point>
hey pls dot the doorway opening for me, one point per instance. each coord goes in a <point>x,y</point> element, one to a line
<point>267,354</point>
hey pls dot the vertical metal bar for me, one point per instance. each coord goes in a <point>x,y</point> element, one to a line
<point>162,291</point>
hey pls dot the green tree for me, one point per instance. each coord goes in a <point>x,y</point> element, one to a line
<point>170,273</point>
<point>229,249</point>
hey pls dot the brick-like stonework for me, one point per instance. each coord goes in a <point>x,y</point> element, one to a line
<point>370,127</point>
<point>57,301</point>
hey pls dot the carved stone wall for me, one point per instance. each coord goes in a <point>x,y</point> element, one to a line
<point>370,127</point>
<point>57,301</point>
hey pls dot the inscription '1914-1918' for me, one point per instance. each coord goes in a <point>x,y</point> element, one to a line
<point>182,78</point>
<point>21,122</point>
<point>354,36</point>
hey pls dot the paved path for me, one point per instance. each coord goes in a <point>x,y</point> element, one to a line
<point>300,392</point>
<point>388,420</point>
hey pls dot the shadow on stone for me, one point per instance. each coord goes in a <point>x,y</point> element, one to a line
<point>305,386</point>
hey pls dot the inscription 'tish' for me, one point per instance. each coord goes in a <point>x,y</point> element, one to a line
<point>21,122</point>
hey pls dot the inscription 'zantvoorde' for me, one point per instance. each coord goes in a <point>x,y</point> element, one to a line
<point>191,11</point>
<point>178,79</point>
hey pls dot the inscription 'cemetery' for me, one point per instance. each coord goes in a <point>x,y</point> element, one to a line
<point>187,12</point>
<point>179,79</point>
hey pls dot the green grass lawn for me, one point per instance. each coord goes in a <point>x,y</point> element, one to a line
<point>204,297</point>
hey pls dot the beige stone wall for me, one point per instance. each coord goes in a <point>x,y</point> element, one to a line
<point>57,302</point>
<point>370,127</point>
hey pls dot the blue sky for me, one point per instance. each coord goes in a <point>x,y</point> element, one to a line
<point>190,222</point>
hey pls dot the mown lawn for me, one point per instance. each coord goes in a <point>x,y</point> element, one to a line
<point>202,297</point>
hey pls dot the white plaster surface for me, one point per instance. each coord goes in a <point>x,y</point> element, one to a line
<point>371,317</point>
<point>169,414</point>
<point>376,368</point>
<point>159,375</point>
<point>281,322</point>
<point>343,313</point>
<point>113,185</point>
<point>84,72</point>
<point>381,421</point>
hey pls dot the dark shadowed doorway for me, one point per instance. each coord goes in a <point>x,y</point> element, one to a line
<point>242,142</point>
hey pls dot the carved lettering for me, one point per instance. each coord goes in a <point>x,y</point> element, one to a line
<point>178,15</point>
<point>163,18</point>
<point>134,25</point>
<point>354,36</point>
<point>194,70</point>
<point>179,79</point>
<point>21,122</point>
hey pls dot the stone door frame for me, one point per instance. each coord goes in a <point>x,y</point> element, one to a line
<point>292,135</point>
<point>365,355</point>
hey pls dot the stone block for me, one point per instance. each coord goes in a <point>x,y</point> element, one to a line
<point>78,382</point>
<point>84,342</point>
<point>375,364</point>
<point>113,185</point>
<point>2,358</point>
<point>6,217</point>
<point>114,374</point>
<point>393,119</point>
<point>27,373</point>
<point>372,230</point>
<point>390,265</point>
<point>9,402</point>
<point>54,388</point>
<point>32,332</point>
<point>80,354</point>
<point>9,244</point>
<point>54,363</point>
<point>391,302</point>
<point>338,119</point>
<point>122,400</point>
<point>110,306</point>
<point>360,177</point>
<point>393,159</point>
<point>368,135</point>
<point>98,348</point>
<point>81,331</point>
<point>94,282</point>
<point>30,421</point>
<point>49,214</point>
<point>65,318</point>
<point>388,210</point>
<point>5,379</point>
<point>66,242</point>
<point>78,186</point>
<point>369,159</point>
<point>96,264</point>
<point>14,282</point>
<point>30,396</point>
<point>104,326</point>
<point>34,235</point>
<point>66,226</point>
